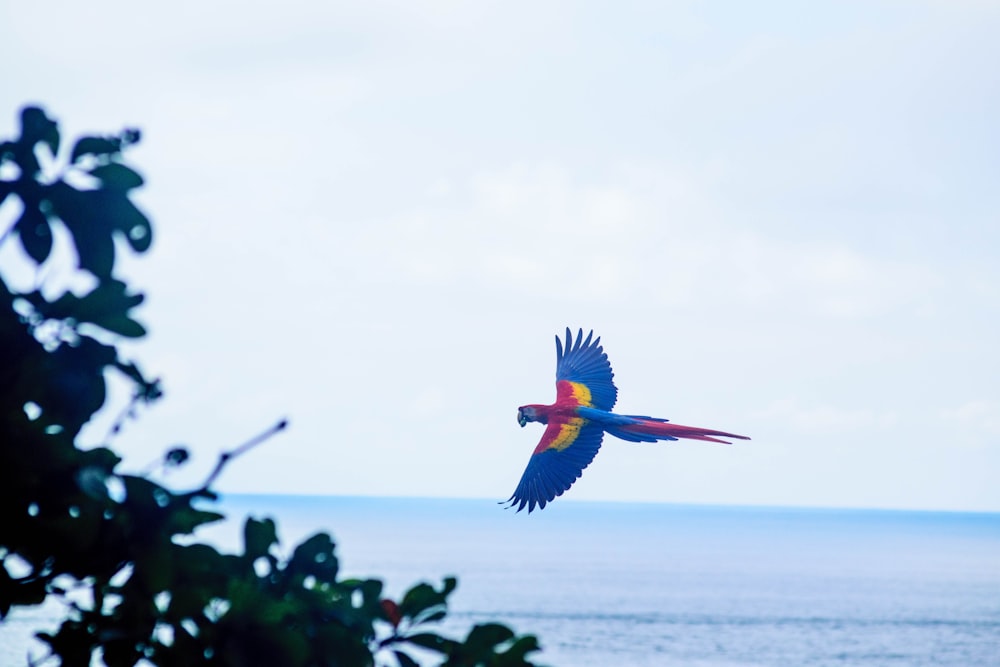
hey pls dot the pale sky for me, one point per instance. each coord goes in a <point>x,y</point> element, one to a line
<point>783,219</point>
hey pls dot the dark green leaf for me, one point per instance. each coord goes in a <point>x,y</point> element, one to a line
<point>92,216</point>
<point>405,660</point>
<point>94,355</point>
<point>107,306</point>
<point>101,457</point>
<point>315,557</point>
<point>371,589</point>
<point>72,643</point>
<point>85,214</point>
<point>520,648</point>
<point>52,139</point>
<point>154,562</point>
<point>76,388</point>
<point>418,598</point>
<point>96,253</point>
<point>432,641</point>
<point>98,146</point>
<point>120,654</point>
<point>432,617</point>
<point>488,635</point>
<point>422,598</point>
<point>25,592</point>
<point>116,176</point>
<point>132,371</point>
<point>138,232</point>
<point>144,495</point>
<point>124,326</point>
<point>37,128</point>
<point>258,537</point>
<point>186,519</point>
<point>150,391</point>
<point>35,233</point>
<point>66,306</point>
<point>123,215</point>
<point>176,456</point>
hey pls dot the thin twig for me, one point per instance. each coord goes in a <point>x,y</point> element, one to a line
<point>225,457</point>
<point>145,393</point>
<point>119,422</point>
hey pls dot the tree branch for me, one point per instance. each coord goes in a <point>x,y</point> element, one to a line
<point>226,457</point>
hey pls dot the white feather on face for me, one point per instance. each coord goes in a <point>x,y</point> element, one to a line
<point>526,414</point>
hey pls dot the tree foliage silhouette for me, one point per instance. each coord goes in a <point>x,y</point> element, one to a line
<point>119,550</point>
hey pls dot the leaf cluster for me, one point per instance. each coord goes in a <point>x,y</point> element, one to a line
<point>119,550</point>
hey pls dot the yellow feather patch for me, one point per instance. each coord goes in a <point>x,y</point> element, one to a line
<point>581,393</point>
<point>568,433</point>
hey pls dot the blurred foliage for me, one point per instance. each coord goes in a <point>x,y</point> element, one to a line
<point>118,550</point>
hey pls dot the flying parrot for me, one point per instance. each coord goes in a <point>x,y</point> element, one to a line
<point>578,420</point>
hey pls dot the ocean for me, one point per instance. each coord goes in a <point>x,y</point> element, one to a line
<point>605,584</point>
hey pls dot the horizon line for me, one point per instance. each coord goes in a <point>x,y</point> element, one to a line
<point>584,501</point>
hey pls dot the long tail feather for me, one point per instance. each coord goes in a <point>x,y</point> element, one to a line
<point>644,429</point>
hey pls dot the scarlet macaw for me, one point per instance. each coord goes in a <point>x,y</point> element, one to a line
<point>578,419</point>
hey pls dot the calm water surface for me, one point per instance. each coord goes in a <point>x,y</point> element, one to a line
<point>645,584</point>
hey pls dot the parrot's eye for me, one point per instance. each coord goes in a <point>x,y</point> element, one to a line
<point>520,418</point>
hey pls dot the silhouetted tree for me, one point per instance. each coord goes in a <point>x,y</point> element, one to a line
<point>118,549</point>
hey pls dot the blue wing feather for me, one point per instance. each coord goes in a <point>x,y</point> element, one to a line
<point>584,361</point>
<point>551,472</point>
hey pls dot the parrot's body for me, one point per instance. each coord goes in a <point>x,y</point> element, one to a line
<point>578,420</point>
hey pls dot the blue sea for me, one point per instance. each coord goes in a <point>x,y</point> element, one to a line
<point>651,584</point>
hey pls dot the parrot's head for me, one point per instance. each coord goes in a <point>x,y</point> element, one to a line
<point>525,414</point>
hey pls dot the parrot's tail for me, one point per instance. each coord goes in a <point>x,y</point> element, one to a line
<point>650,429</point>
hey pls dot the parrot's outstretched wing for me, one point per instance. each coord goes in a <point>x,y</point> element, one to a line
<point>567,447</point>
<point>584,363</point>
<point>570,442</point>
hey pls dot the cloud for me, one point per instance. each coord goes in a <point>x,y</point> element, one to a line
<point>548,231</point>
<point>427,403</point>
<point>978,421</point>
<point>826,419</point>
<point>829,279</point>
